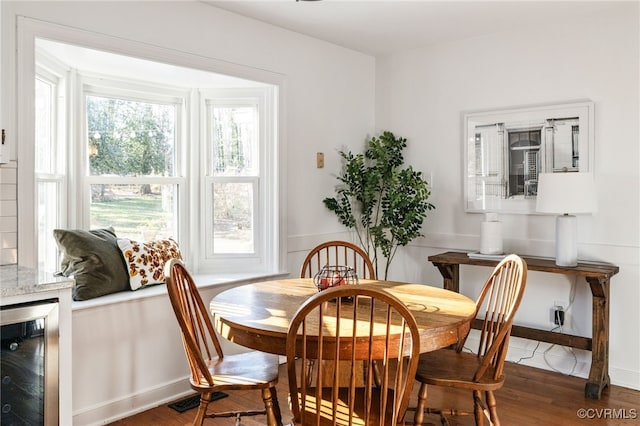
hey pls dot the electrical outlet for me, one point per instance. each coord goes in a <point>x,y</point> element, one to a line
<point>558,316</point>
<point>553,315</point>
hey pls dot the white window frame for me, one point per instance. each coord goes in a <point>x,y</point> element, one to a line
<point>263,183</point>
<point>54,74</point>
<point>120,89</point>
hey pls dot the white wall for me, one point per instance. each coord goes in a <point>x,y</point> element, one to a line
<point>127,354</point>
<point>421,95</point>
<point>8,179</point>
<point>8,214</point>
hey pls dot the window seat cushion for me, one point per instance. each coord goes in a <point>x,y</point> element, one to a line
<point>145,260</point>
<point>94,261</point>
<point>203,281</point>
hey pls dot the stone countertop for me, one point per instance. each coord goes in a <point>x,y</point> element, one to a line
<point>17,281</point>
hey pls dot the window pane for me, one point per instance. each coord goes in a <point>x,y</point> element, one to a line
<point>233,218</point>
<point>235,141</point>
<point>47,221</point>
<point>127,138</point>
<point>139,212</point>
<point>44,127</point>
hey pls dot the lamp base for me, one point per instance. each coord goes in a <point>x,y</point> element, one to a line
<point>566,241</point>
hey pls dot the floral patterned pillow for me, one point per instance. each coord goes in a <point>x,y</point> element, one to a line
<point>145,260</point>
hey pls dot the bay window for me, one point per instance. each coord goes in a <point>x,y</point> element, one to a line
<point>161,159</point>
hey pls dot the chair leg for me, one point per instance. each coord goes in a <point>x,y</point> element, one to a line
<point>377,376</point>
<point>276,406</point>
<point>202,409</point>
<point>477,408</point>
<point>311,363</point>
<point>270,398</point>
<point>493,411</point>
<point>418,417</point>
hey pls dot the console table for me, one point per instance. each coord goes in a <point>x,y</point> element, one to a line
<point>596,274</point>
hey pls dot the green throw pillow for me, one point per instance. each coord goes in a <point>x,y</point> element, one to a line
<point>94,260</point>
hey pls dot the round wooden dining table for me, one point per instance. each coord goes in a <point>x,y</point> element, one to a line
<point>257,315</point>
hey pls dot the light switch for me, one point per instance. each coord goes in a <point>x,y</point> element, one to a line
<point>319,160</point>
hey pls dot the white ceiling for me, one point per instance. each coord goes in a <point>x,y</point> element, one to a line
<point>381,27</point>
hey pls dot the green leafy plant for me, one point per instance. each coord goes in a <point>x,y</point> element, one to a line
<point>382,202</point>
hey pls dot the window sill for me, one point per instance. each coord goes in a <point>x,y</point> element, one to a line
<point>202,282</point>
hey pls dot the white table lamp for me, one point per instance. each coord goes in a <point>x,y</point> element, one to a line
<point>567,194</point>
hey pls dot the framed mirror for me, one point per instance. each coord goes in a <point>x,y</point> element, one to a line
<point>505,151</point>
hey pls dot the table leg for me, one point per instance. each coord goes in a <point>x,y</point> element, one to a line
<point>599,373</point>
<point>451,275</point>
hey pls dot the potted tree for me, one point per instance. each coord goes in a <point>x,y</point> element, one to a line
<point>384,203</point>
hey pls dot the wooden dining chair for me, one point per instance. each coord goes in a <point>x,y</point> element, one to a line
<point>211,370</point>
<point>481,372</point>
<point>338,253</point>
<point>352,324</point>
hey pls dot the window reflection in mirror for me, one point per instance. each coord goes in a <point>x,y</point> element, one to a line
<point>507,150</point>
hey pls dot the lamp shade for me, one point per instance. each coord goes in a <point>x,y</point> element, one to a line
<point>566,193</point>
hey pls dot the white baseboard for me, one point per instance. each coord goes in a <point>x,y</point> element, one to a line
<point>113,410</point>
<point>625,378</point>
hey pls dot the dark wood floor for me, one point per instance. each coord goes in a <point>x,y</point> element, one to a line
<point>530,396</point>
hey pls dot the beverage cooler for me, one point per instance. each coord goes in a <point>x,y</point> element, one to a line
<point>29,363</point>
